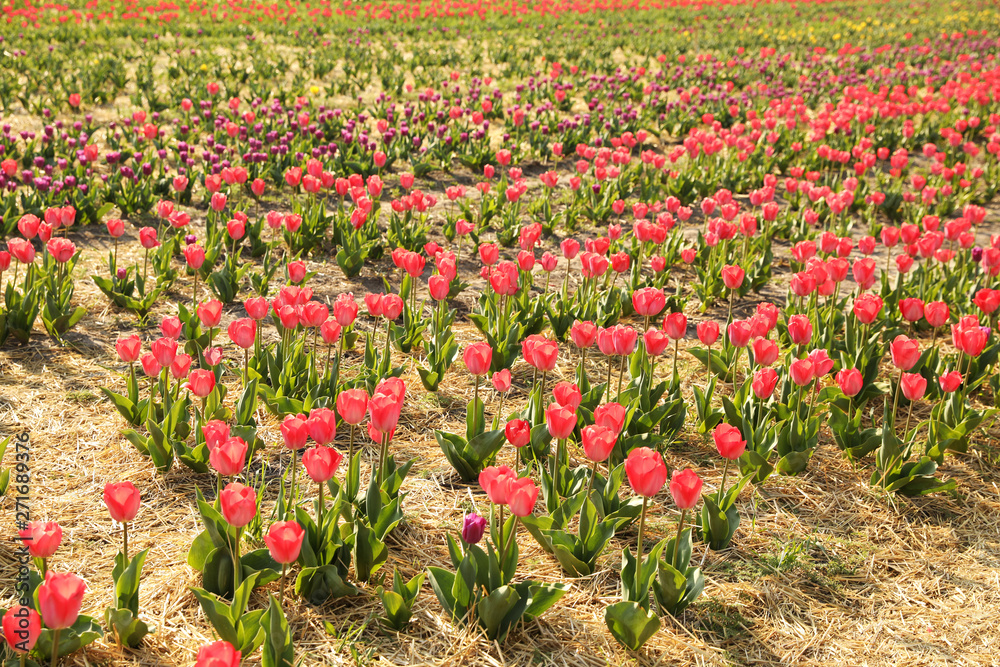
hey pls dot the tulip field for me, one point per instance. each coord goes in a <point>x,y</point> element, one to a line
<point>498,333</point>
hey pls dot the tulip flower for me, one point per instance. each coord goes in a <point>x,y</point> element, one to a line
<point>850,382</point>
<point>732,278</point>
<point>41,539</point>
<point>647,473</point>
<point>685,489</point>
<point>239,506</point>
<point>59,599</point>
<point>905,352</point>
<point>218,654</point>
<point>321,464</point>
<point>122,500</point>
<point>950,382</point>
<point>729,442</point>
<point>518,432</point>
<point>764,382</point>
<point>322,426</point>
<point>21,628</point>
<point>284,542</point>
<point>523,494</point>
<point>473,528</point>
<point>228,457</point>
<point>384,409</point>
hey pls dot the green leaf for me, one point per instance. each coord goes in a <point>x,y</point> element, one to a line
<point>277,649</point>
<point>630,624</point>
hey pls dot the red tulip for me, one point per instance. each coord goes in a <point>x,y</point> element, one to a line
<point>540,352</point>
<point>115,227</point>
<point>352,404</point>
<point>611,416</point>
<point>386,404</point>
<point>22,250</point>
<point>129,349</point>
<point>195,256</point>
<point>41,539</point>
<point>625,340</point>
<point>501,380</point>
<point>330,332</point>
<point>181,365</point>
<point>764,382</point>
<point>322,426</point>
<point>905,352</point>
<point>201,382</point>
<point>969,338</point>
<point>568,395</point>
<point>122,500</point>
<point>912,309</point>
<point>675,324</point>
<point>243,332</point>
<point>496,482</point>
<point>850,381</point>
<point>61,249</point>
<point>477,358</point>
<point>518,432</point>
<point>708,332</point>
<point>729,441</point>
<point>150,366</point>
<point>294,431</point>
<point>345,310</point>
<point>646,471</point>
<point>21,628</point>
<point>732,276</point>
<point>765,351</point>
<point>950,381</point>
<point>314,314</point>
<point>685,488</point>
<point>822,363</point>
<point>863,271</point>
<point>239,504</point>
<point>523,494</point>
<point>867,308</point>
<point>228,457</point>
<point>489,253</point>
<point>171,327</point>
<point>598,441</point>
<point>583,334</point>
<point>560,421</point>
<point>800,329</point>
<point>914,385</point>
<point>987,300</point>
<point>655,342</point>
<point>739,333</point>
<point>648,301</point>
<point>439,287</point>
<point>164,350</point>
<point>321,463</point>
<point>936,313</point>
<point>256,307</point>
<point>59,599</point>
<point>216,432</point>
<point>218,654</point>
<point>801,372</point>
<point>284,541</point>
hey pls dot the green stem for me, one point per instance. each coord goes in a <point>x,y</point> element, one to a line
<point>125,540</point>
<point>642,526</point>
<point>281,589</point>
<point>322,506</point>
<point>680,528</point>
<point>350,458</point>
<point>55,647</point>
<point>236,561</point>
